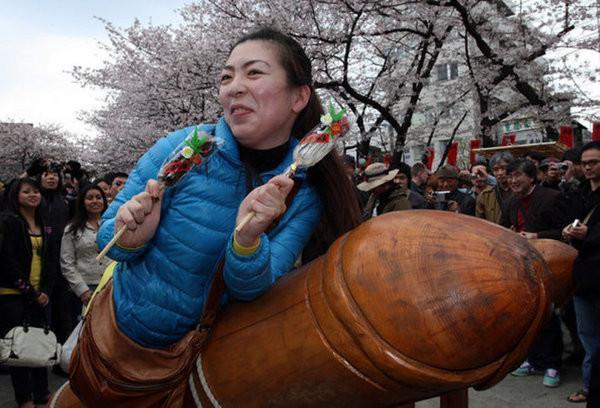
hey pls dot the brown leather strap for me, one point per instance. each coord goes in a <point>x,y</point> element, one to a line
<point>217,286</point>
<point>211,306</point>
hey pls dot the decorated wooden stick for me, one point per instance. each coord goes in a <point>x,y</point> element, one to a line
<point>193,151</point>
<point>314,146</point>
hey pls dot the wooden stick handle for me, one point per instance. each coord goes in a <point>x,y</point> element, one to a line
<point>245,221</point>
<point>112,242</point>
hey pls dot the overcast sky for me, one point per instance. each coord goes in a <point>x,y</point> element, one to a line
<point>41,40</point>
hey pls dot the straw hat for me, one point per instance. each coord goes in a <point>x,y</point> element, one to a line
<point>376,174</point>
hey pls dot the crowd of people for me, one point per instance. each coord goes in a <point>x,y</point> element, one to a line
<point>535,196</point>
<point>50,227</point>
<point>52,213</point>
<point>48,224</point>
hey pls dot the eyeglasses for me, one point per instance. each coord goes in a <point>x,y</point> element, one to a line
<point>590,163</point>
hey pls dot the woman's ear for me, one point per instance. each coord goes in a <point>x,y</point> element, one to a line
<point>301,98</point>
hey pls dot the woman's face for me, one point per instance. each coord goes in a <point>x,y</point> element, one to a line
<point>259,105</point>
<point>49,180</point>
<point>93,202</point>
<point>29,196</point>
<point>105,187</point>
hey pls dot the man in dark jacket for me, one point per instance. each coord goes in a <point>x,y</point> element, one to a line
<point>456,201</point>
<point>585,236</point>
<point>536,212</point>
<point>533,211</point>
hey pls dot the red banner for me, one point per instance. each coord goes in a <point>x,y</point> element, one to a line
<point>430,153</point>
<point>452,153</point>
<point>596,131</point>
<point>508,140</point>
<point>566,136</point>
<point>387,159</point>
<point>475,144</point>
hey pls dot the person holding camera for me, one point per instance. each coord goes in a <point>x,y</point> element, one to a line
<point>388,188</point>
<point>584,234</point>
<point>449,197</point>
<point>551,170</point>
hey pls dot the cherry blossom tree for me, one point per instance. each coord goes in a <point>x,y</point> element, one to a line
<point>22,143</point>
<point>378,57</point>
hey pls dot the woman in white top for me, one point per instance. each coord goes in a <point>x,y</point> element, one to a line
<point>78,249</point>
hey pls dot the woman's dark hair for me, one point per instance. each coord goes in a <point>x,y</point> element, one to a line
<point>12,202</point>
<point>80,218</point>
<point>51,169</point>
<point>524,165</point>
<point>342,211</point>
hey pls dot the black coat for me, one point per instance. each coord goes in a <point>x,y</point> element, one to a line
<point>586,270</point>
<point>466,203</point>
<point>16,254</point>
<point>55,213</point>
<point>546,215</point>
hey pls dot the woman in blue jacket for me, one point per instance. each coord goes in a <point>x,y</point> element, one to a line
<point>175,239</point>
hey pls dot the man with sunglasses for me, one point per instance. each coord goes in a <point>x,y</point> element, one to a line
<point>584,233</point>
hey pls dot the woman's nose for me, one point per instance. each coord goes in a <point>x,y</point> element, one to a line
<point>237,86</point>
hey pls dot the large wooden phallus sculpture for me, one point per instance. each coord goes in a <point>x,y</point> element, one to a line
<point>407,306</point>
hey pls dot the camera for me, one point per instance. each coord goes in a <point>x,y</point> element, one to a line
<point>563,166</point>
<point>440,196</point>
<point>441,200</point>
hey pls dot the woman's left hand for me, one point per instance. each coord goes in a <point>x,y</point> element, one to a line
<point>268,203</point>
<point>42,299</point>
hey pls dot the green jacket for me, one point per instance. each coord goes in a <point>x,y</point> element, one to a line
<point>488,205</point>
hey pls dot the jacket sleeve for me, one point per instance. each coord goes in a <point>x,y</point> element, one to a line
<point>555,216</point>
<point>247,277</point>
<point>10,267</point>
<point>480,206</point>
<point>146,168</point>
<point>68,264</point>
<point>469,206</point>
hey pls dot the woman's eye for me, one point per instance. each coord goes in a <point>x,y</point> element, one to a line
<point>225,78</point>
<point>254,72</point>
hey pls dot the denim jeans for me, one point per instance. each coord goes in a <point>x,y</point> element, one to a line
<point>587,309</point>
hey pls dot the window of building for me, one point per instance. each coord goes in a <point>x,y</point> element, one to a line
<point>446,72</point>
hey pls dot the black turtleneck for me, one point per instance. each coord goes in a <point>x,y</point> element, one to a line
<point>263,160</point>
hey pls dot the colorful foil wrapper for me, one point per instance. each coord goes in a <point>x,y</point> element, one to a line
<point>194,150</point>
<point>321,140</point>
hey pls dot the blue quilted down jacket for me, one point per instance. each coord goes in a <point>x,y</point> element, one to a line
<point>160,288</point>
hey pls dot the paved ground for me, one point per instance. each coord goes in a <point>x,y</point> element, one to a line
<point>512,392</point>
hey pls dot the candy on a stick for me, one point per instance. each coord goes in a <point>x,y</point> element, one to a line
<point>313,147</point>
<point>193,151</point>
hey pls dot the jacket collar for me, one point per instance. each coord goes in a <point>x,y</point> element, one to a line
<point>231,153</point>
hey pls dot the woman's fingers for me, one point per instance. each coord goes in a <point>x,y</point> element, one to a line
<point>268,211</point>
<point>154,188</point>
<point>284,185</point>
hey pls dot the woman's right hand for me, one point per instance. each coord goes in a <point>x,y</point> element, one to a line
<point>85,297</point>
<point>42,299</point>
<point>141,214</point>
